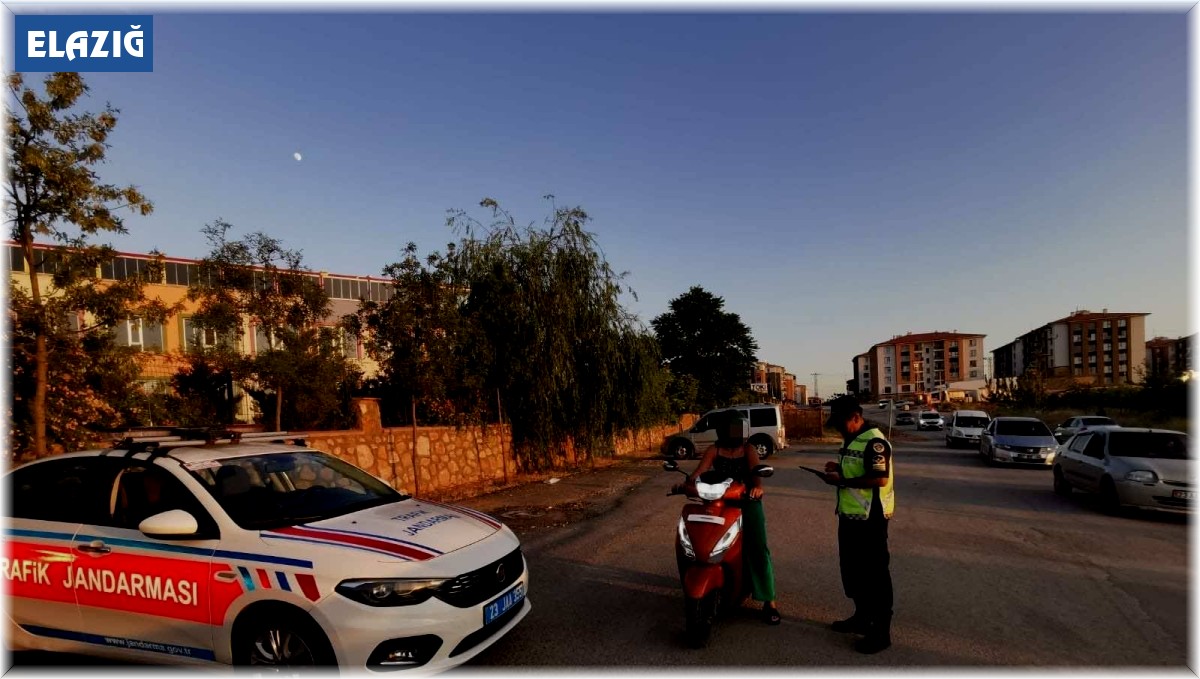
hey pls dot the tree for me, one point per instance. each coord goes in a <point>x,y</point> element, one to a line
<point>55,194</point>
<point>533,313</point>
<point>258,279</point>
<point>699,338</point>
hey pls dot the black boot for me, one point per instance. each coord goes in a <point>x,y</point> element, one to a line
<point>855,624</point>
<point>878,637</point>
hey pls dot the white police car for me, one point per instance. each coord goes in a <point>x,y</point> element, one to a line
<point>249,553</point>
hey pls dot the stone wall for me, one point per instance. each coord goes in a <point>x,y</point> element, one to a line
<point>452,463</point>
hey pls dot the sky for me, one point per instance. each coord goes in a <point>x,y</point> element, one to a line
<point>836,178</point>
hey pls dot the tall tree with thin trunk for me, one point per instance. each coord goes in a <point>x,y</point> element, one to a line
<point>55,195</point>
<point>258,278</point>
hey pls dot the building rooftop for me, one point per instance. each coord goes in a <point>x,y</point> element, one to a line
<point>1084,315</point>
<point>912,338</point>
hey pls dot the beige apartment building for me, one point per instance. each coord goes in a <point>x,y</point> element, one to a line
<point>920,363</point>
<point>1105,348</point>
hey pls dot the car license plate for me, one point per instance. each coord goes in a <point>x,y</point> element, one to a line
<point>503,603</point>
<point>1184,494</point>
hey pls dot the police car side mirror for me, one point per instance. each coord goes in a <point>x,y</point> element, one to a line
<point>174,524</point>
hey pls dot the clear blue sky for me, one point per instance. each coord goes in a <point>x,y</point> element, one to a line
<point>836,178</point>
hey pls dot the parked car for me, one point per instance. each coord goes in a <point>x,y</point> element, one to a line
<point>1079,423</point>
<point>1147,468</point>
<point>965,427</point>
<point>884,404</point>
<point>930,420</point>
<point>767,432</point>
<point>904,417</point>
<point>249,551</point>
<point>1024,440</point>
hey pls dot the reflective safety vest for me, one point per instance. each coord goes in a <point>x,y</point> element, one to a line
<point>855,503</point>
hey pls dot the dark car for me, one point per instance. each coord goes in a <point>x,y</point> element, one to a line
<point>905,418</point>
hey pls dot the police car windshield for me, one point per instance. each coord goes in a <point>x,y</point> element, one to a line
<point>972,422</point>
<point>287,488</point>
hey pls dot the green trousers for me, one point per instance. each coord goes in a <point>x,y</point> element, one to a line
<point>756,557</point>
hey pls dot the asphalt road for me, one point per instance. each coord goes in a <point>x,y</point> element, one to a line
<point>990,569</point>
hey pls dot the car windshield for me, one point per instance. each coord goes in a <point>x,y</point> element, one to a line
<point>283,489</point>
<point>1021,428</point>
<point>1162,445</point>
<point>929,416</point>
<point>1095,421</point>
<point>971,422</point>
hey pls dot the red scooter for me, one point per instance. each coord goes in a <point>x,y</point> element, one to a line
<point>708,550</point>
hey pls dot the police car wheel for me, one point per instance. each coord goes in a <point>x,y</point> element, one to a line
<point>279,641</point>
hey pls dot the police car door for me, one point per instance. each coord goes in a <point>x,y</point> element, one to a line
<point>146,595</point>
<point>50,499</point>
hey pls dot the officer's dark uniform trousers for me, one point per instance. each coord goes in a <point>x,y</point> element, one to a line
<point>866,576</point>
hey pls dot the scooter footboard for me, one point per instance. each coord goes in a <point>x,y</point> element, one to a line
<point>700,579</point>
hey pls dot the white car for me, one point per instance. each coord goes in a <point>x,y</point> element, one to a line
<point>965,427</point>
<point>250,553</point>
<point>930,420</point>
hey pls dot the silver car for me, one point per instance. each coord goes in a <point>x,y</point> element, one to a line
<point>1080,423</point>
<point>1024,440</point>
<point>1146,468</point>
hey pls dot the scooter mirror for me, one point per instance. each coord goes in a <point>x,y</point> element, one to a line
<point>670,466</point>
<point>764,470</point>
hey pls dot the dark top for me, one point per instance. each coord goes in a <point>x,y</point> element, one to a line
<point>733,467</point>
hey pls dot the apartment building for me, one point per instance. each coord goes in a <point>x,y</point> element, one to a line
<point>773,381</point>
<point>920,363</point>
<point>1105,348</point>
<point>1169,357</point>
<point>162,347</point>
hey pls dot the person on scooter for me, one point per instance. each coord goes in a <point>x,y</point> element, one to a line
<point>732,455</point>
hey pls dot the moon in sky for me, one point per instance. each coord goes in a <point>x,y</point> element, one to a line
<point>297,156</point>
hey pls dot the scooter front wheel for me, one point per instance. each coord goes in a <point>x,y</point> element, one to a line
<point>700,615</point>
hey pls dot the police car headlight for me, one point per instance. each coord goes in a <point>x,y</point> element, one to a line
<point>726,541</point>
<point>389,592</point>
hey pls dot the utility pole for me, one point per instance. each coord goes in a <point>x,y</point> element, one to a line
<point>816,389</point>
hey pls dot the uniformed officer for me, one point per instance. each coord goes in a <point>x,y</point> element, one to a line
<point>865,501</point>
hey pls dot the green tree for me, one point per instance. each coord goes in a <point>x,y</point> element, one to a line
<point>533,313</point>
<point>55,194</point>
<point>700,339</point>
<point>258,279</point>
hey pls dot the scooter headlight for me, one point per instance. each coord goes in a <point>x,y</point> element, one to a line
<point>713,491</point>
<point>685,541</point>
<point>726,541</point>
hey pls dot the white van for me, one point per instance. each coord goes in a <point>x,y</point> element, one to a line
<point>965,427</point>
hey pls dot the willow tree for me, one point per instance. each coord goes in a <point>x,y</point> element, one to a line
<point>569,358</point>
<point>56,200</point>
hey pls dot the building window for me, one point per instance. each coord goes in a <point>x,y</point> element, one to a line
<point>1122,371</point>
<point>1108,370</point>
<point>1121,323</point>
<point>1077,339</point>
<point>1092,359</point>
<point>1122,356</point>
<point>887,360</point>
<point>1077,371</point>
<point>1078,360</point>
<point>195,337</point>
<point>133,332</point>
<point>974,364</point>
<point>1107,324</point>
<point>182,274</point>
<point>1092,336</point>
<point>1121,345</point>
<point>905,387</point>
<point>1108,346</point>
<point>971,343</point>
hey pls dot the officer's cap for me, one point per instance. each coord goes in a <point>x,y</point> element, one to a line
<point>841,408</point>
